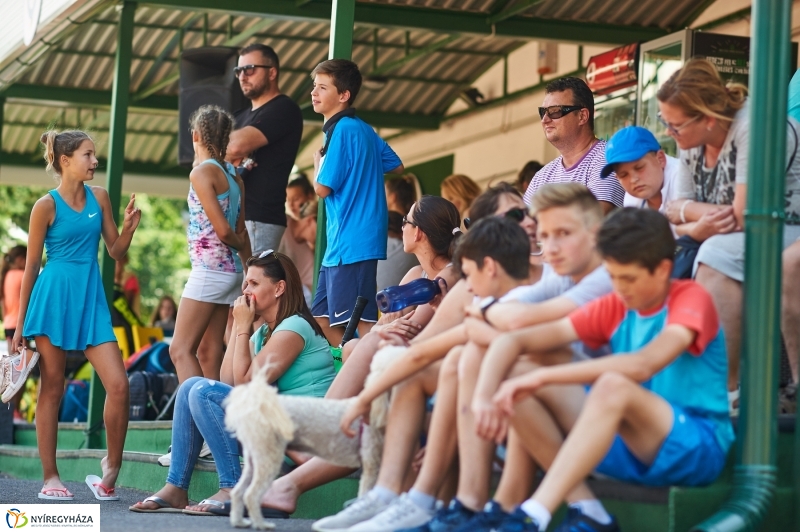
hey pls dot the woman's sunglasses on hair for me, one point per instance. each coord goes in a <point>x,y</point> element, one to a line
<point>248,69</point>
<point>517,214</point>
<point>557,111</point>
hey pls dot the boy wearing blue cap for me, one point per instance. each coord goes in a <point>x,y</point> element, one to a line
<point>650,177</point>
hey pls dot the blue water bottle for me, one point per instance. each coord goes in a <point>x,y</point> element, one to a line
<point>417,292</point>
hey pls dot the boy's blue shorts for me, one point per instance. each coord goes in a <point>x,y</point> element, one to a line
<point>338,288</point>
<point>690,456</point>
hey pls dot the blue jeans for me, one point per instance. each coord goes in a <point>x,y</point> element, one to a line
<point>199,416</point>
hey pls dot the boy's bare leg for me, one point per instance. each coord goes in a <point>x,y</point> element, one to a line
<point>404,425</point>
<point>516,481</point>
<point>540,422</point>
<point>475,452</point>
<point>616,404</point>
<point>448,490</point>
<point>332,334</point>
<point>441,447</point>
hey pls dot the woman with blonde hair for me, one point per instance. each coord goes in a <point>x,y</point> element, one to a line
<point>710,123</point>
<point>461,191</point>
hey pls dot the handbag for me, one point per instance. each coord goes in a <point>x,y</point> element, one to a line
<point>685,253</point>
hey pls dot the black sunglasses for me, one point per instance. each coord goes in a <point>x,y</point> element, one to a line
<point>407,221</point>
<point>557,111</point>
<point>248,69</point>
<point>517,214</point>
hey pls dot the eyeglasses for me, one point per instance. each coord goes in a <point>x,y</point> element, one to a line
<point>267,252</point>
<point>248,69</point>
<point>555,112</point>
<point>407,221</point>
<point>517,214</point>
<point>676,130</point>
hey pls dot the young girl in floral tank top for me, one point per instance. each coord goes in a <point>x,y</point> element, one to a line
<point>216,238</point>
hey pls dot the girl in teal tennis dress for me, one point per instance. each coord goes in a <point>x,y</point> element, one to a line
<point>64,307</point>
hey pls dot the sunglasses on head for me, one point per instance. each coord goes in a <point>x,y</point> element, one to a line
<point>557,111</point>
<point>517,214</point>
<point>248,69</point>
<point>269,252</point>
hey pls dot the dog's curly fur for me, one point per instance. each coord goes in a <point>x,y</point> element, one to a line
<point>266,424</point>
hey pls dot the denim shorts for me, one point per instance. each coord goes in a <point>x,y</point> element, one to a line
<point>264,236</point>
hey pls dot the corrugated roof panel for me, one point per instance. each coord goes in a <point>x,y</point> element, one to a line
<point>606,12</point>
<point>86,61</point>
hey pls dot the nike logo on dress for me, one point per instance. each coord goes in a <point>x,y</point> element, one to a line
<point>337,314</point>
<point>92,215</point>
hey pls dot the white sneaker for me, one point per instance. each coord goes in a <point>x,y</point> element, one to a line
<point>363,508</point>
<point>16,372</point>
<point>165,460</point>
<point>401,514</point>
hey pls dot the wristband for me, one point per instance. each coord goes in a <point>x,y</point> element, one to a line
<point>683,210</point>
<point>485,307</point>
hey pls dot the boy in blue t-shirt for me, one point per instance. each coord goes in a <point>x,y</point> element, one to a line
<point>348,173</point>
<point>657,411</point>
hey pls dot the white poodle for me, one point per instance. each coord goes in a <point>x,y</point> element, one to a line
<point>266,424</point>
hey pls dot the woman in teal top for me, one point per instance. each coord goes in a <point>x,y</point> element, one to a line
<point>300,363</point>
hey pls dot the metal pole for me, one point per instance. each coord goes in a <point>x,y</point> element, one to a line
<point>755,473</point>
<point>341,47</point>
<point>120,95</point>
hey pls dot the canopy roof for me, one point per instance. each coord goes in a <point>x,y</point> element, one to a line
<point>426,52</point>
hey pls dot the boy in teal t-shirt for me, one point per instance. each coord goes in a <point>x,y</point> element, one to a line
<point>348,173</point>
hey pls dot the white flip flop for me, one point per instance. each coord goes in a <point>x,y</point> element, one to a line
<point>43,495</point>
<point>93,481</point>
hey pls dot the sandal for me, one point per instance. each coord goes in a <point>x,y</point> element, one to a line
<point>163,507</point>
<point>94,482</point>
<point>209,502</point>
<point>44,494</point>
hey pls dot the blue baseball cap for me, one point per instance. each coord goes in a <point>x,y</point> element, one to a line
<point>627,145</point>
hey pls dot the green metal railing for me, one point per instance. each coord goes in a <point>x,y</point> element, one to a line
<point>755,472</point>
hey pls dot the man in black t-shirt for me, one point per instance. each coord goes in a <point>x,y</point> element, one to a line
<point>268,132</point>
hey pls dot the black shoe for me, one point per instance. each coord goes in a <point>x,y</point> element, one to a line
<point>491,517</point>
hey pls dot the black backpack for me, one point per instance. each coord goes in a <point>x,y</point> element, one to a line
<point>152,395</point>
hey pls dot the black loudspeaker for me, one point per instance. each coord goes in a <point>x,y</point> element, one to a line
<point>206,79</point>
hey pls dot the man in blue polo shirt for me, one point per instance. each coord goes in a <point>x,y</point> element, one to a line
<point>349,173</point>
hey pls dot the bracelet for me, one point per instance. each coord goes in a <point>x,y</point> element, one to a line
<point>683,210</point>
<point>240,334</point>
<point>485,308</point>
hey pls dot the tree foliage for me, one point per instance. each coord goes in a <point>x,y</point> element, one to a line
<point>158,254</point>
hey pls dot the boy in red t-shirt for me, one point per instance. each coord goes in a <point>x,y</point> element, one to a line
<point>657,411</point>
